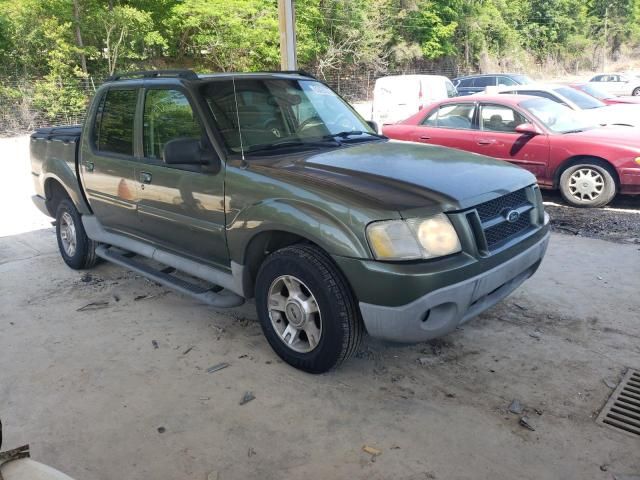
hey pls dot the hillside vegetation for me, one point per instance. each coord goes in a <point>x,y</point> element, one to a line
<point>70,45</point>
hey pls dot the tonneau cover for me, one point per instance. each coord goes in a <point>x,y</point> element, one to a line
<point>69,133</point>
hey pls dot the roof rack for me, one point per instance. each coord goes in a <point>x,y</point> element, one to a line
<point>178,73</point>
<point>303,73</point>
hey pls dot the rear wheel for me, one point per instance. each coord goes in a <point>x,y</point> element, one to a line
<point>636,92</point>
<point>306,309</point>
<point>587,185</point>
<point>77,250</point>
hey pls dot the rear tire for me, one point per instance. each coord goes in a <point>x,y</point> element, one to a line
<point>636,92</point>
<point>77,250</point>
<point>587,184</point>
<point>307,310</point>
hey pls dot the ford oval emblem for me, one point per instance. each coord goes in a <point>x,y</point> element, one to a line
<point>512,216</point>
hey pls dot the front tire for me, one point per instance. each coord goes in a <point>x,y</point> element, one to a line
<point>307,310</point>
<point>588,184</point>
<point>636,92</point>
<point>77,250</point>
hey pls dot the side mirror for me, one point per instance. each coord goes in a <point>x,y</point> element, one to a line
<point>188,151</point>
<point>528,129</point>
<point>373,125</point>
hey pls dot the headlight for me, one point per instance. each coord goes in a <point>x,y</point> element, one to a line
<point>637,160</point>
<point>413,239</point>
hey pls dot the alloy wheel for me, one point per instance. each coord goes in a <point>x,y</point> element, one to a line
<point>294,314</point>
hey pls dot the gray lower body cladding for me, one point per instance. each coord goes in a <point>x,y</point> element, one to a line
<point>441,311</point>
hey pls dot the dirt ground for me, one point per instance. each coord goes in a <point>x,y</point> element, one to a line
<point>93,395</point>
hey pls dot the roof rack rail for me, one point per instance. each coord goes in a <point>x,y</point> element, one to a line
<point>303,73</point>
<point>178,73</point>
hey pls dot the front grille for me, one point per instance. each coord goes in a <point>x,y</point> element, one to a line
<point>493,208</point>
<point>506,230</point>
<point>490,223</point>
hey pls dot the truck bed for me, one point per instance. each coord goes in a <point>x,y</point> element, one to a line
<point>55,142</point>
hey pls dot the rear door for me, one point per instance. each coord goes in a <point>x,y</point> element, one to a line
<point>108,160</point>
<point>450,125</point>
<point>181,207</point>
<point>497,138</point>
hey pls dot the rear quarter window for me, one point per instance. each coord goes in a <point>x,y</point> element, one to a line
<point>113,127</point>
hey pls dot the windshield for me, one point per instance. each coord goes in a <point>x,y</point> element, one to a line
<point>582,100</point>
<point>556,117</point>
<point>269,114</point>
<point>595,92</point>
<point>522,79</point>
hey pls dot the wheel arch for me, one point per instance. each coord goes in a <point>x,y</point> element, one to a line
<point>578,159</point>
<point>267,227</point>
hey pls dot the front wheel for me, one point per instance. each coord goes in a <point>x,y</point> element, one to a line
<point>77,250</point>
<point>636,92</point>
<point>587,185</point>
<point>306,308</point>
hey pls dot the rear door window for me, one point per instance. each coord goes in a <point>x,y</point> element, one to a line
<point>483,82</point>
<point>167,116</point>
<point>455,116</point>
<point>465,83</point>
<point>113,128</point>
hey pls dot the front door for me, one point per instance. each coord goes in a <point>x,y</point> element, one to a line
<point>181,207</point>
<point>108,161</point>
<point>498,138</point>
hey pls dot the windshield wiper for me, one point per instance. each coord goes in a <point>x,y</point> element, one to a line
<point>289,143</point>
<point>577,130</point>
<point>348,133</point>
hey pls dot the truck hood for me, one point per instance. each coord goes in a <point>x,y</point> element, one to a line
<point>403,176</point>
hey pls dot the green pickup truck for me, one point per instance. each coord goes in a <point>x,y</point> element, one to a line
<point>270,186</point>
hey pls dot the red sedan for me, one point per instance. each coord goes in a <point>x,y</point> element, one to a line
<point>589,164</point>
<point>590,89</point>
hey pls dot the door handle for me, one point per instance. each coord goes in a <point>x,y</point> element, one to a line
<point>424,137</point>
<point>89,166</point>
<point>486,141</point>
<point>145,177</point>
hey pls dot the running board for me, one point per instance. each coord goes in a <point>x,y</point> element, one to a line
<point>215,296</point>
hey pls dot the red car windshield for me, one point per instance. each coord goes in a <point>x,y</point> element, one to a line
<point>556,117</point>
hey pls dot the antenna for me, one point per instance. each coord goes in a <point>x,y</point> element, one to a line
<point>235,96</point>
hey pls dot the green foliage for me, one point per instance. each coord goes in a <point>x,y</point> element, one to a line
<point>52,40</point>
<point>226,34</point>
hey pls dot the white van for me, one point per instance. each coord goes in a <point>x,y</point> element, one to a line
<point>399,96</point>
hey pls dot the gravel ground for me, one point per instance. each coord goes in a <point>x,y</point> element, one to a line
<point>619,222</point>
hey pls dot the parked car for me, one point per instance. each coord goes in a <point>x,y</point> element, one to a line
<point>604,96</point>
<point>589,107</point>
<point>618,83</point>
<point>399,96</point>
<point>589,164</point>
<point>271,186</point>
<point>471,84</point>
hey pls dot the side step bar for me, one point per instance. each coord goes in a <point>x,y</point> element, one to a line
<point>214,296</point>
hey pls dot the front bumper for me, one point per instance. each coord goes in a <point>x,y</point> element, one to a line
<point>630,181</point>
<point>442,310</point>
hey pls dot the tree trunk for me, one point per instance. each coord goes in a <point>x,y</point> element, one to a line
<point>76,18</point>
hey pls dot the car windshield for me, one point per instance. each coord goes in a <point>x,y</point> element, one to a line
<point>270,114</point>
<point>582,100</point>
<point>595,92</point>
<point>522,79</point>
<point>556,117</point>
